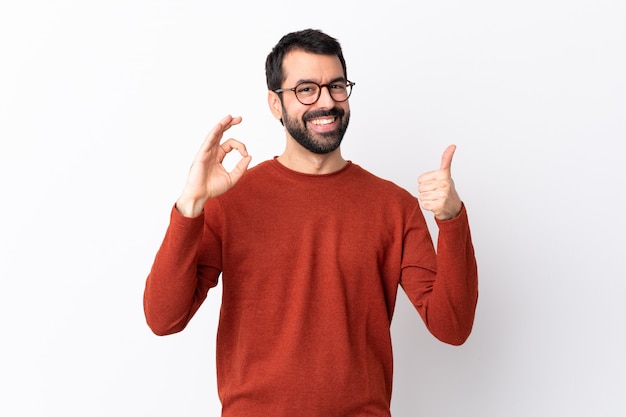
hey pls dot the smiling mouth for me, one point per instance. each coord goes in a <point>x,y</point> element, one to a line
<point>323,121</point>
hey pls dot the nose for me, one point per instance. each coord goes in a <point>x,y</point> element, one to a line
<point>325,100</point>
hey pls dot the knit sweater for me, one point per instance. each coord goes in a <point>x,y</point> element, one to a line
<point>310,267</point>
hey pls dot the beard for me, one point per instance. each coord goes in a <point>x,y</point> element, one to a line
<point>325,142</point>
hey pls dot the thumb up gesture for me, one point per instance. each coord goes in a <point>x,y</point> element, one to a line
<point>436,189</point>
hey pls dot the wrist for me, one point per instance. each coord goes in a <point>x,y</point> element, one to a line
<point>190,207</point>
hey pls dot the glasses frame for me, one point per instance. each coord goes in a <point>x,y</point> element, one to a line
<point>349,85</point>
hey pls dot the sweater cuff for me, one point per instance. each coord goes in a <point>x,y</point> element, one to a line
<point>454,224</point>
<point>181,222</point>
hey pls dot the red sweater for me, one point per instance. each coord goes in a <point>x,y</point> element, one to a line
<point>310,268</point>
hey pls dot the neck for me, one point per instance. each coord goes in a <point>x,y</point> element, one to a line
<point>306,162</point>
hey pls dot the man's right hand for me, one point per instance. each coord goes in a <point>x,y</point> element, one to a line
<point>207,177</point>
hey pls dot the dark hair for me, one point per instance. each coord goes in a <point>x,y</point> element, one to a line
<point>308,40</point>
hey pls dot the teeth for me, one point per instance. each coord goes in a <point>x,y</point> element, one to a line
<point>322,121</point>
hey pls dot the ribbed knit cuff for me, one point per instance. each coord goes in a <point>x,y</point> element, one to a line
<point>181,222</point>
<point>454,224</point>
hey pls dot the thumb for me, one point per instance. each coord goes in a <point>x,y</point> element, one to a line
<point>446,159</point>
<point>240,168</point>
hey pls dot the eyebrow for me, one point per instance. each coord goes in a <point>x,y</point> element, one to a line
<point>308,80</point>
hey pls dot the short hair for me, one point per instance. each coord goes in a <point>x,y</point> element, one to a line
<point>308,40</point>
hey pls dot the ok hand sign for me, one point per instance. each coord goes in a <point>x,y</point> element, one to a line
<point>437,192</point>
<point>207,177</point>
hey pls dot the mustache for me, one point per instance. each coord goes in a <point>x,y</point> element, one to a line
<point>336,112</point>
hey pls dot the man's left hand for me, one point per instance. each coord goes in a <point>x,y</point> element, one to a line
<point>436,189</point>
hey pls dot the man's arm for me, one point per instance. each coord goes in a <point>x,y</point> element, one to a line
<point>445,294</point>
<point>179,280</point>
<point>177,284</point>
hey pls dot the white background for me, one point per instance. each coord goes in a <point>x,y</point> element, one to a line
<point>104,104</point>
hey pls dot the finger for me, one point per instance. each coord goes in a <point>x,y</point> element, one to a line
<point>215,135</point>
<point>228,121</point>
<point>433,193</point>
<point>223,125</point>
<point>433,177</point>
<point>231,144</point>
<point>427,177</point>
<point>424,187</point>
<point>240,168</point>
<point>429,204</point>
<point>446,159</point>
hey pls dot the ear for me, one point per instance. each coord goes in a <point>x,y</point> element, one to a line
<point>276,106</point>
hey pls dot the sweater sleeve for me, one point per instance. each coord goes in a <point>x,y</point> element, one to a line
<point>178,282</point>
<point>446,295</point>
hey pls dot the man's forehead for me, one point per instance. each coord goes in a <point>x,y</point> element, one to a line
<point>302,65</point>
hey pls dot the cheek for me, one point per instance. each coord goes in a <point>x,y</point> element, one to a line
<point>294,113</point>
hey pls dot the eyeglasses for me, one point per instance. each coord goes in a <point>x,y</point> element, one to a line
<point>309,92</point>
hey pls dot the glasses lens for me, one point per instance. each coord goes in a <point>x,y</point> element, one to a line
<point>339,91</point>
<point>307,93</point>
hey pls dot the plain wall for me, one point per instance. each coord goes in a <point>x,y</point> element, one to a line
<point>104,104</point>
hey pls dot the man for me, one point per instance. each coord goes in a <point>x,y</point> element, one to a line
<point>311,249</point>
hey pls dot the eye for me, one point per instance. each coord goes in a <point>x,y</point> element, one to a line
<point>306,89</point>
<point>338,87</point>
